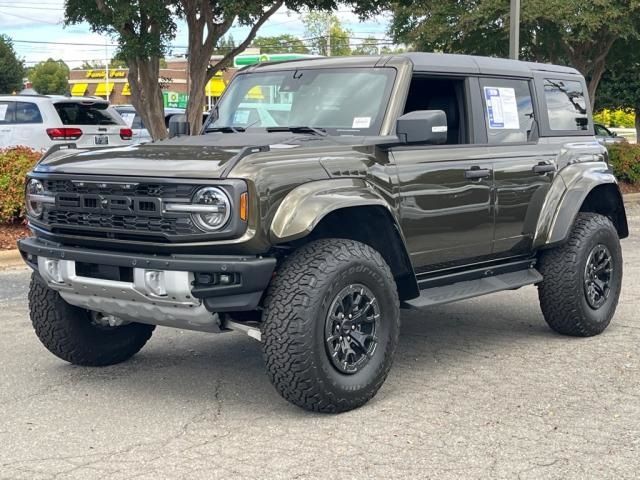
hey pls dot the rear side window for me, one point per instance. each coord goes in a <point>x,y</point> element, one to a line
<point>27,113</point>
<point>508,108</point>
<point>84,114</point>
<point>566,105</point>
<point>7,112</point>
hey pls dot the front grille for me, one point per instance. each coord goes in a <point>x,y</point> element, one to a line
<point>160,190</point>
<point>117,210</point>
<point>129,223</point>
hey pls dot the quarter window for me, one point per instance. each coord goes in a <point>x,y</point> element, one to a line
<point>27,113</point>
<point>566,105</point>
<point>508,109</point>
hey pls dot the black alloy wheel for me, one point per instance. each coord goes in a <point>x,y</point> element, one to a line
<point>350,328</point>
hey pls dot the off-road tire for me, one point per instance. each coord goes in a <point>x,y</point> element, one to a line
<point>562,293</point>
<point>294,317</point>
<point>68,332</point>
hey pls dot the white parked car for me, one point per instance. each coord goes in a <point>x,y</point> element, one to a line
<point>40,122</point>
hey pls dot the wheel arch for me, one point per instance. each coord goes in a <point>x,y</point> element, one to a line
<point>350,209</point>
<point>580,188</point>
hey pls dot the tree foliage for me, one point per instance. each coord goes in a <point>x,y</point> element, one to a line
<point>143,30</point>
<point>50,77</point>
<point>11,68</point>
<point>576,32</point>
<point>284,43</point>
<point>326,34</point>
<point>620,85</point>
<point>369,46</point>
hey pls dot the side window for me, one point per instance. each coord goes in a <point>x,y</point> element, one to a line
<point>508,109</point>
<point>7,113</point>
<point>27,113</point>
<point>446,94</point>
<point>566,105</point>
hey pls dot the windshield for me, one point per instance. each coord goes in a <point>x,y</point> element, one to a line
<point>346,101</point>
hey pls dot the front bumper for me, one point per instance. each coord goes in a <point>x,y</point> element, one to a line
<point>177,295</point>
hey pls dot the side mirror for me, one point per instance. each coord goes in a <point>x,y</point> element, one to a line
<point>423,126</point>
<point>178,126</point>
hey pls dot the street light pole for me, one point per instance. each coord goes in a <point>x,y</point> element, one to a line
<point>514,30</point>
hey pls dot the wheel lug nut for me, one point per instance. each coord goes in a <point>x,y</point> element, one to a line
<point>353,327</point>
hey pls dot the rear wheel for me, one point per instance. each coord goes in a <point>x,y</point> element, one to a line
<point>80,336</point>
<point>330,325</point>
<point>582,278</point>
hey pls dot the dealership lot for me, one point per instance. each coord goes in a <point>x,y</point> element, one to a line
<point>479,389</point>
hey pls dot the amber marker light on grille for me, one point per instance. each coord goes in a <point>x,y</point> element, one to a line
<point>244,207</point>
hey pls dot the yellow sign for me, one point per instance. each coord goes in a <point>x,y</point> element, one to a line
<point>215,86</point>
<point>126,89</point>
<point>103,74</point>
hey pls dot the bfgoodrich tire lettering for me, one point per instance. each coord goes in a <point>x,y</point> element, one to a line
<point>68,333</point>
<point>294,323</point>
<point>562,293</point>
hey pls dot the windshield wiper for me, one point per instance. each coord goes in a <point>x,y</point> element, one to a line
<point>301,129</point>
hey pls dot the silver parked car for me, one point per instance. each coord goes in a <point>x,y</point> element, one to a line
<point>606,136</point>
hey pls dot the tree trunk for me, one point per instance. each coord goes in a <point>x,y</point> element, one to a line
<point>146,95</point>
<point>201,49</point>
<point>637,112</point>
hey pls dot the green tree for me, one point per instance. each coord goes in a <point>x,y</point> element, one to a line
<point>369,46</point>
<point>225,44</point>
<point>284,43</point>
<point>326,34</point>
<point>143,30</point>
<point>620,85</point>
<point>559,31</point>
<point>50,77</point>
<point>11,68</point>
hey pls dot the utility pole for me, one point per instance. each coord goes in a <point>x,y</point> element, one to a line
<point>106,69</point>
<point>514,30</point>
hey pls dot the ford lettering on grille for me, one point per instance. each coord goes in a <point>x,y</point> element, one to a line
<point>116,204</point>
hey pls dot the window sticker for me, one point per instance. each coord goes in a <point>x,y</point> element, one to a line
<point>241,116</point>
<point>502,108</point>
<point>361,122</point>
<point>3,111</point>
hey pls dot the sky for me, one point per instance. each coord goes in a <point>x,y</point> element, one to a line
<point>29,21</point>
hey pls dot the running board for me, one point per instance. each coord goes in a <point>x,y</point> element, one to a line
<point>474,288</point>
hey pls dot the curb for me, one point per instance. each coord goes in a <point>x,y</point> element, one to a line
<point>10,259</point>
<point>631,198</point>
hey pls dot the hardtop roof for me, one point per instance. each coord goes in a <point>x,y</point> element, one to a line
<point>427,62</point>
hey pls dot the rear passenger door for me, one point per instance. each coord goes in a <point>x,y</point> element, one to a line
<point>29,127</point>
<point>523,168</point>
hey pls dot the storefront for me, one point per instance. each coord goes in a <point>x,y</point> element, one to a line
<point>114,86</point>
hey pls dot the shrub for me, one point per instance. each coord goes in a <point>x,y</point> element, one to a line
<point>625,160</point>
<point>615,118</point>
<point>15,163</point>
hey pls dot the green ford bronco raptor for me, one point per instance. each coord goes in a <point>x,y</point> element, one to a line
<point>323,196</point>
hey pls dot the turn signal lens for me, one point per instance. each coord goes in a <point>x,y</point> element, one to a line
<point>244,207</point>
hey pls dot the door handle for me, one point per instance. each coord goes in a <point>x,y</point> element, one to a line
<point>544,167</point>
<point>475,173</point>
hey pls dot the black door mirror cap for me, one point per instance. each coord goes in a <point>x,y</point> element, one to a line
<point>422,126</point>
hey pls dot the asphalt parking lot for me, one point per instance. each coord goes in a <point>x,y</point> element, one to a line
<point>479,389</point>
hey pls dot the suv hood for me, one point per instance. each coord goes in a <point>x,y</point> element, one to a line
<point>207,156</point>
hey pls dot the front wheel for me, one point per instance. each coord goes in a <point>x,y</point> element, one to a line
<point>74,334</point>
<point>330,325</point>
<point>582,278</point>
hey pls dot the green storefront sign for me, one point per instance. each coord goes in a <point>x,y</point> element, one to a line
<point>175,99</point>
<point>244,60</point>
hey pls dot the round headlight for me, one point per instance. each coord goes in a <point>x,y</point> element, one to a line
<point>34,206</point>
<point>215,210</point>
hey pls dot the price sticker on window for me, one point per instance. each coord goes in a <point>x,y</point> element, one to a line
<point>502,108</point>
